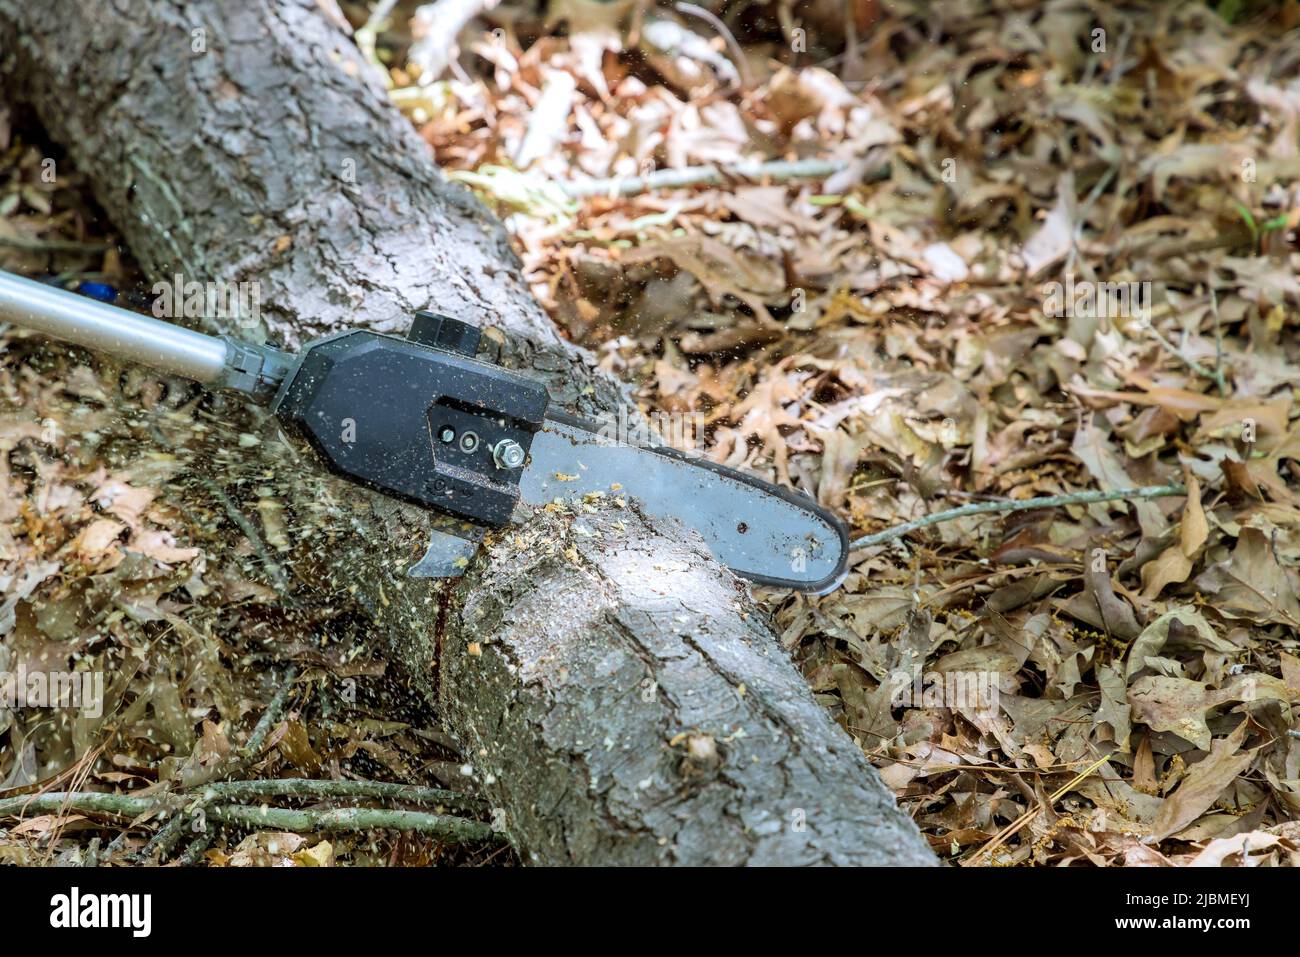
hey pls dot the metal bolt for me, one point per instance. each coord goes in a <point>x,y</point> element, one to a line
<point>469,441</point>
<point>508,454</point>
<point>447,435</point>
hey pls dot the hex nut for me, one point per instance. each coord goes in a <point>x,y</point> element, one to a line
<point>508,454</point>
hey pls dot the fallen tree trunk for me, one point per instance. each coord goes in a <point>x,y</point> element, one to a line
<point>619,695</point>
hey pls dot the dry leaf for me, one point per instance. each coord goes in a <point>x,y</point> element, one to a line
<point>1204,782</point>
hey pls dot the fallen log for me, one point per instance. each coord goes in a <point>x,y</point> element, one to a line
<point>619,694</point>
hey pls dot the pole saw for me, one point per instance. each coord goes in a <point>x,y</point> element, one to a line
<point>422,419</point>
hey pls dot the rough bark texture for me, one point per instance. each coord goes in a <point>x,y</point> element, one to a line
<point>618,693</point>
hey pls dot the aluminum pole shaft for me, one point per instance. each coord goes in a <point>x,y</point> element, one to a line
<point>127,335</point>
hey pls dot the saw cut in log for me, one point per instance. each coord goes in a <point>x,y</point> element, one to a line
<point>619,695</point>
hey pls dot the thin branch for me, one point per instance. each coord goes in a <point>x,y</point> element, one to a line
<point>709,17</point>
<point>193,852</point>
<point>354,819</point>
<point>238,763</point>
<point>1017,825</point>
<point>336,819</point>
<point>1215,375</point>
<point>116,845</point>
<point>1081,214</point>
<point>436,27</point>
<point>1218,339</point>
<point>85,802</point>
<point>778,171</point>
<point>164,839</point>
<point>245,525</point>
<point>253,746</point>
<point>367,36</point>
<point>306,787</point>
<point>92,853</point>
<point>984,508</point>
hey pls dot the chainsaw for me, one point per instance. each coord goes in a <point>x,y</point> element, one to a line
<point>421,418</point>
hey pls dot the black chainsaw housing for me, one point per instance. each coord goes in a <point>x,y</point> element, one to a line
<point>417,418</point>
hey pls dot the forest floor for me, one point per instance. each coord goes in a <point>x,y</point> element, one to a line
<point>1057,252</point>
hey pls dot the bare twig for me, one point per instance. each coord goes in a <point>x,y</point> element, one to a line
<point>437,26</point>
<point>1214,375</point>
<point>1017,825</point>
<point>193,852</point>
<point>305,787</point>
<point>354,819</point>
<point>983,508</point>
<point>115,845</point>
<point>80,772</point>
<point>778,171</point>
<point>336,819</point>
<point>273,567</point>
<point>253,746</point>
<point>164,839</point>
<point>1081,215</point>
<point>369,32</point>
<point>709,17</point>
<point>83,802</point>
<point>1218,376</point>
<point>548,121</point>
<point>92,853</point>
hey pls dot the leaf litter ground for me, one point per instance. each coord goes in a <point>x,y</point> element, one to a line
<point>1111,684</point>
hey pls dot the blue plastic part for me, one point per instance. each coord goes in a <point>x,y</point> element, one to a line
<point>98,290</point>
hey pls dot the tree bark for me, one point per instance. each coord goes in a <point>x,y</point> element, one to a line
<point>617,692</point>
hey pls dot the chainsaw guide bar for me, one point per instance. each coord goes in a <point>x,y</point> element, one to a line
<point>422,419</point>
